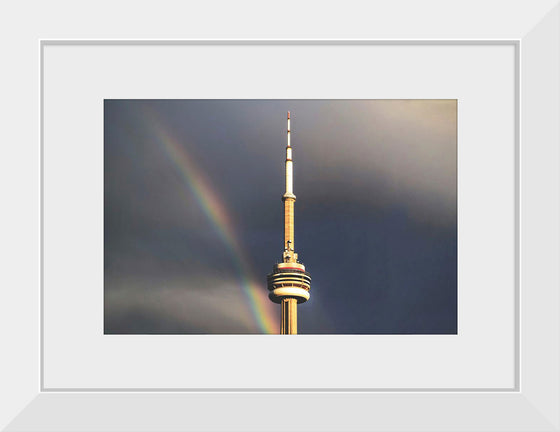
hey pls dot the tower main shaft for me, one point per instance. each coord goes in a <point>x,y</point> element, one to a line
<point>289,283</point>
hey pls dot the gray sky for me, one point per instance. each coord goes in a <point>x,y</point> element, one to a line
<point>194,217</point>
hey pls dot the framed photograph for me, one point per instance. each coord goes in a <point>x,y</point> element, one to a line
<point>426,156</point>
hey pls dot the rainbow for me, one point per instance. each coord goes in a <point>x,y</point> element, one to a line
<point>217,214</point>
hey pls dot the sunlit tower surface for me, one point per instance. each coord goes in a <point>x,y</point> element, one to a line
<point>289,283</point>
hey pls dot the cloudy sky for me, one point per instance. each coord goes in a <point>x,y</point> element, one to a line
<point>194,217</point>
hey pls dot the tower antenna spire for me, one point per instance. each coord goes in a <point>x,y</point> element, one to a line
<point>289,283</point>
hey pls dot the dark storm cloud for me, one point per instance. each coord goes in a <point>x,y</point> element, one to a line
<point>177,305</point>
<point>396,152</point>
<point>375,216</point>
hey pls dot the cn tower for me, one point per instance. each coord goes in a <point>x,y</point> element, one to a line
<point>289,283</point>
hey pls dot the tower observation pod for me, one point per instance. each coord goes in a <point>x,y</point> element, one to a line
<point>289,283</point>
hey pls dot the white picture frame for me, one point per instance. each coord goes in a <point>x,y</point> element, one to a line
<point>532,404</point>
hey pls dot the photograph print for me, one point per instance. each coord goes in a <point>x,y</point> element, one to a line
<point>280,216</point>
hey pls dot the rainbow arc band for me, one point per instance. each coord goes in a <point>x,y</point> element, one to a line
<point>217,214</point>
